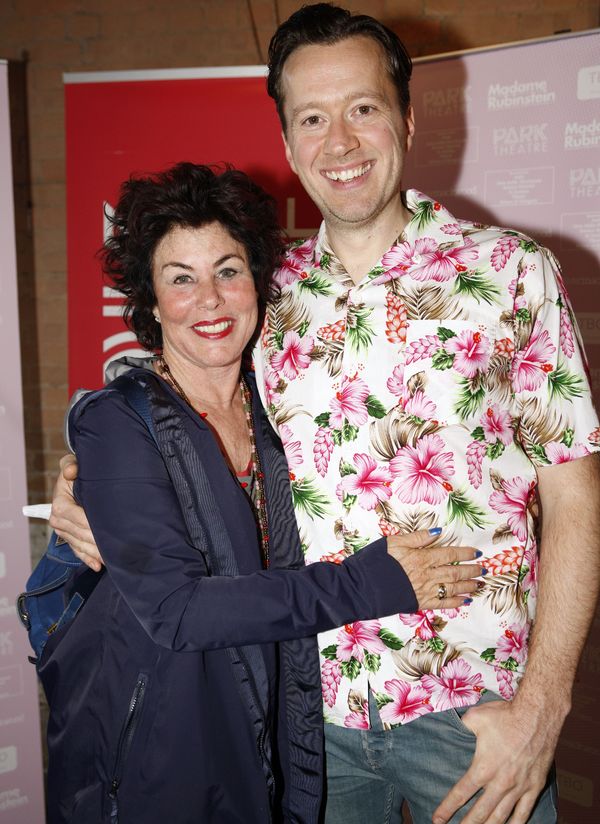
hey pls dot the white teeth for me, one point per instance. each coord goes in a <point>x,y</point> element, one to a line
<point>214,328</point>
<point>349,174</point>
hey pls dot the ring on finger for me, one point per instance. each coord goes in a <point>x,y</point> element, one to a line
<point>442,592</point>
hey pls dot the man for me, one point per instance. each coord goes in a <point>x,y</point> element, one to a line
<point>421,369</point>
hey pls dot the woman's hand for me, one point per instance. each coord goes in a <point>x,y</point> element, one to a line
<point>68,519</point>
<point>435,571</point>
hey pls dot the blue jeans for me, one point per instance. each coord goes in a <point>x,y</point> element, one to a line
<point>370,773</point>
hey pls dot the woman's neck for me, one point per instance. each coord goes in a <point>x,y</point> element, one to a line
<point>216,387</point>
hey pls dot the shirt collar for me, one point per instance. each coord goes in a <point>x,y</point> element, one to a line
<point>429,219</point>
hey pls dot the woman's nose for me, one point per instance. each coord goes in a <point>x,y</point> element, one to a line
<point>209,295</point>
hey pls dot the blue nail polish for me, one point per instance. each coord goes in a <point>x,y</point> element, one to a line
<point>467,601</point>
<point>478,553</point>
<point>484,571</point>
<point>436,530</point>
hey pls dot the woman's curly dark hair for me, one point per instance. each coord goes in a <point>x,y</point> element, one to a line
<point>187,195</point>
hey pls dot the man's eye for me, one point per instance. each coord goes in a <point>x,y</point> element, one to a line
<point>313,120</point>
<point>365,109</point>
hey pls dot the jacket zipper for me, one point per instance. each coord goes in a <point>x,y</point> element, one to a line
<point>127,733</point>
<point>260,741</point>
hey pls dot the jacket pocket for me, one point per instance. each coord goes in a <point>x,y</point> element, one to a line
<point>126,737</point>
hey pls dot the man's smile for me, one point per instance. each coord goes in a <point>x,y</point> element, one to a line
<point>348,174</point>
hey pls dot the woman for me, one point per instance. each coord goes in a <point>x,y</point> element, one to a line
<point>171,698</point>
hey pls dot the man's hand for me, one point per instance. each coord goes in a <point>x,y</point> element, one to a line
<point>68,519</point>
<point>512,759</point>
<point>516,740</point>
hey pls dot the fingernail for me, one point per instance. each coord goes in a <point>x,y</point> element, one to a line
<point>478,553</point>
<point>467,601</point>
<point>435,530</point>
<point>484,571</point>
<point>480,585</point>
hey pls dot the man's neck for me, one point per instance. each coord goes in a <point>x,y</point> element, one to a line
<point>360,247</point>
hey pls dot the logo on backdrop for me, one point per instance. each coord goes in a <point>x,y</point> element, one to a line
<point>519,95</point>
<point>588,83</point>
<point>442,102</point>
<point>520,140</point>
<point>580,135</point>
<point>585,181</point>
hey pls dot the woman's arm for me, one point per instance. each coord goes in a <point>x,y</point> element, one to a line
<point>136,519</point>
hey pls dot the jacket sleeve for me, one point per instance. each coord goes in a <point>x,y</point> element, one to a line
<point>137,521</point>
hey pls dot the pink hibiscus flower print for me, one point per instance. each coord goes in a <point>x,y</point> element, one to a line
<point>530,560</point>
<point>496,425</point>
<point>512,500</point>
<point>395,383</point>
<point>471,352</point>
<point>356,721</point>
<point>294,356</point>
<point>353,640</point>
<point>349,403</point>
<point>371,483</point>
<point>531,365</point>
<point>423,471</point>
<point>420,406</point>
<point>271,386</point>
<point>456,685</point>
<point>513,644</point>
<point>292,449</point>
<point>425,260</point>
<point>296,261</point>
<point>561,453</point>
<point>422,623</point>
<point>409,701</point>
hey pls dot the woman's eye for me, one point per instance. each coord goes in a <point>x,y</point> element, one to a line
<point>182,278</point>
<point>227,274</point>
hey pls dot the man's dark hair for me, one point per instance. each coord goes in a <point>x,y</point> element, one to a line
<point>323,24</point>
<point>190,196</point>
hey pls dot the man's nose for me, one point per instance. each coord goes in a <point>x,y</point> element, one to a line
<point>341,137</point>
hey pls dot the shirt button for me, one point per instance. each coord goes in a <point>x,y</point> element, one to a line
<point>417,259</point>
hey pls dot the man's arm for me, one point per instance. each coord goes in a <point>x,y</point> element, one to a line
<point>516,740</point>
<point>68,519</point>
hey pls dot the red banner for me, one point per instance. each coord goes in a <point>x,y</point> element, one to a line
<point>143,125</point>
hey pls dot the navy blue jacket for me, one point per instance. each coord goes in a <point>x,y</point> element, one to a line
<point>186,690</point>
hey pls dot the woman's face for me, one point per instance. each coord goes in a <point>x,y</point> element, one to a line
<point>205,297</point>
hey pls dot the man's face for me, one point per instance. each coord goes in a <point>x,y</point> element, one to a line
<point>346,137</point>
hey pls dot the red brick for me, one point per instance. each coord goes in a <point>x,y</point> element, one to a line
<point>83,26</point>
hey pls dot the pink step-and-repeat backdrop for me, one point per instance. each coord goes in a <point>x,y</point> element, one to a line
<point>509,136</point>
<point>21,789</point>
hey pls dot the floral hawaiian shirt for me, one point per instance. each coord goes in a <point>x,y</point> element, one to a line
<point>426,395</point>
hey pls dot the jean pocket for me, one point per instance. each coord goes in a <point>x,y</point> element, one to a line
<point>454,716</point>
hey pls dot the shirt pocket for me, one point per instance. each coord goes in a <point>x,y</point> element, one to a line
<point>447,367</point>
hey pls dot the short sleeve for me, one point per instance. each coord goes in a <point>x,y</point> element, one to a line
<point>549,373</point>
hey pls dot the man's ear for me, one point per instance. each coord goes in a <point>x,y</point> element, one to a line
<point>288,153</point>
<point>409,121</point>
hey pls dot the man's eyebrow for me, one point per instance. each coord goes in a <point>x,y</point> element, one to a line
<point>317,104</point>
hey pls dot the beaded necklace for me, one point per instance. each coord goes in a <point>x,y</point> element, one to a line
<point>258,486</point>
